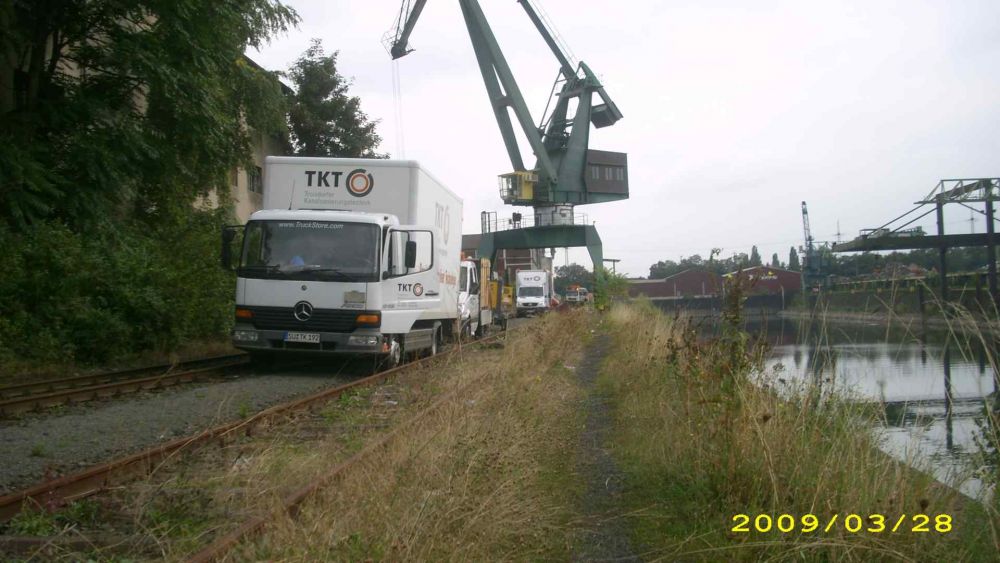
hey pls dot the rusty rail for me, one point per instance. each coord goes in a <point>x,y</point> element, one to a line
<point>93,480</point>
<point>36,396</point>
<point>291,503</point>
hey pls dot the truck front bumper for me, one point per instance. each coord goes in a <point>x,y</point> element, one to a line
<point>361,341</point>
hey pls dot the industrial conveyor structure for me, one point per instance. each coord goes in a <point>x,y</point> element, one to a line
<point>898,235</point>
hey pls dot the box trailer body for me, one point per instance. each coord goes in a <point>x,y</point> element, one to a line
<point>533,291</point>
<point>351,256</point>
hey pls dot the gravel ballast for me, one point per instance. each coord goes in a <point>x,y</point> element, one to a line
<point>54,444</point>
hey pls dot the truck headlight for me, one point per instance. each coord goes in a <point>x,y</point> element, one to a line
<point>365,340</point>
<point>245,335</point>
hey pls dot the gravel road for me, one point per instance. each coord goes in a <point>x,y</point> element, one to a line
<point>77,437</point>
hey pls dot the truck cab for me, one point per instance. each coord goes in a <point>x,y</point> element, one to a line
<point>339,282</point>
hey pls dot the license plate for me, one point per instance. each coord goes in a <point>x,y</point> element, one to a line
<point>310,337</point>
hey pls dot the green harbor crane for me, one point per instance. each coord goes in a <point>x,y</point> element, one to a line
<point>566,171</point>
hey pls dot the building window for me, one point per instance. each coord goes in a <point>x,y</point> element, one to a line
<point>607,173</point>
<point>255,180</point>
<point>620,173</point>
<point>234,177</point>
<point>595,172</point>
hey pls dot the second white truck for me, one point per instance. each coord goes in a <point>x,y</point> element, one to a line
<point>352,256</point>
<point>533,292</point>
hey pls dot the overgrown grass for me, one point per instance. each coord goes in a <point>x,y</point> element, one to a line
<point>702,440</point>
<point>487,476</point>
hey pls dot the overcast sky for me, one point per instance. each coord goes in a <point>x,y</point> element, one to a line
<point>735,111</point>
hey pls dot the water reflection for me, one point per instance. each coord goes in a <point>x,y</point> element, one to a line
<point>933,387</point>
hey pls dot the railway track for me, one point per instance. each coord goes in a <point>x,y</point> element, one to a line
<point>94,480</point>
<point>27,397</point>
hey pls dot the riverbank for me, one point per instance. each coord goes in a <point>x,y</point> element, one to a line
<point>720,464</point>
<point>960,322</point>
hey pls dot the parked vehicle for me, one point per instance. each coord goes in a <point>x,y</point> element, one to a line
<point>534,290</point>
<point>577,295</point>
<point>355,257</point>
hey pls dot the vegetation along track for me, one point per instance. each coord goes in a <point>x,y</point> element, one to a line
<point>68,489</point>
<point>37,395</point>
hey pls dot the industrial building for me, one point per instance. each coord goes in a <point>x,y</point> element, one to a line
<point>693,282</point>
<point>771,281</point>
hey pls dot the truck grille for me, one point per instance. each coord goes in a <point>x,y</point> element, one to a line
<point>323,320</point>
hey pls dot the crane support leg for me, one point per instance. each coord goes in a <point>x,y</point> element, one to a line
<point>554,236</point>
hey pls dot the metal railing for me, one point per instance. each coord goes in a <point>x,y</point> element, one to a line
<point>491,223</point>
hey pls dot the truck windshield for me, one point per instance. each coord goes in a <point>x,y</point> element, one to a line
<point>529,292</point>
<point>310,250</point>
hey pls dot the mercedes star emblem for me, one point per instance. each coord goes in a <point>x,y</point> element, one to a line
<point>303,311</point>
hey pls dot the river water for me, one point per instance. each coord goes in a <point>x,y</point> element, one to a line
<point>932,386</point>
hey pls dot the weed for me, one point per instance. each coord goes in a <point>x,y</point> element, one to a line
<point>33,523</point>
<point>702,438</point>
<point>244,410</point>
<point>487,476</point>
<point>37,450</point>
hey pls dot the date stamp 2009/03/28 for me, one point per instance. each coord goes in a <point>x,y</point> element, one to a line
<point>851,523</point>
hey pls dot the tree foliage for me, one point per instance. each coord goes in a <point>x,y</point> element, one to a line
<point>325,120</point>
<point>116,118</point>
<point>608,288</point>
<point>793,260</point>
<point>666,268</point>
<point>114,109</point>
<point>755,257</point>
<point>572,274</point>
<point>831,264</point>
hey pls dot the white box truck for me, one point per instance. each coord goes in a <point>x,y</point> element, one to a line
<point>533,292</point>
<point>351,256</point>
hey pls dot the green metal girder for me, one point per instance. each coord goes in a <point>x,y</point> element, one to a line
<point>554,236</point>
<point>911,243</point>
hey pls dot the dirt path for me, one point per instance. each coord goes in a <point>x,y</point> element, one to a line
<point>603,534</point>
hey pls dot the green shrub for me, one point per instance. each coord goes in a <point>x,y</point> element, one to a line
<point>114,291</point>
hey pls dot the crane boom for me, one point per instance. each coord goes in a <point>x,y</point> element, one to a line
<point>560,144</point>
<point>408,16</point>
<point>805,227</point>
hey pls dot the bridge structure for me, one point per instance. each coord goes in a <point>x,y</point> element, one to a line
<point>899,235</point>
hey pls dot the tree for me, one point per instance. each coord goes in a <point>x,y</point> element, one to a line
<point>755,257</point>
<point>110,109</point>
<point>775,263</point>
<point>115,119</point>
<point>324,119</point>
<point>572,274</point>
<point>662,269</point>
<point>793,260</point>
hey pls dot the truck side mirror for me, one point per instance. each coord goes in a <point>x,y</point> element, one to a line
<point>410,256</point>
<point>228,234</point>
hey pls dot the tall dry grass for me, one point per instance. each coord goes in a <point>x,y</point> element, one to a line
<point>701,440</point>
<point>486,476</point>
